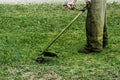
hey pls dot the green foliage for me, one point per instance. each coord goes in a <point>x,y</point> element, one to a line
<point>25,30</point>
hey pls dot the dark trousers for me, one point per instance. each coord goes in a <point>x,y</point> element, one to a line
<point>96,30</point>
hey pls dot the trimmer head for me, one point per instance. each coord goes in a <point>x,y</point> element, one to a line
<point>49,54</point>
<point>42,59</point>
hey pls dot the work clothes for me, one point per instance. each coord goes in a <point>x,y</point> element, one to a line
<point>96,31</point>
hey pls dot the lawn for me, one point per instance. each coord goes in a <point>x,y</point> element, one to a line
<point>25,30</point>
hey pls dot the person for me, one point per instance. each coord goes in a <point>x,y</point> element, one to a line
<point>96,30</point>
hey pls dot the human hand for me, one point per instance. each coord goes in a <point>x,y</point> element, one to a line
<point>70,5</point>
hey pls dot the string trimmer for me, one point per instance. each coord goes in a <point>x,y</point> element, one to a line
<point>45,52</point>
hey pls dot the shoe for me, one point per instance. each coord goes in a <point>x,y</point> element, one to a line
<point>87,51</point>
<point>84,51</point>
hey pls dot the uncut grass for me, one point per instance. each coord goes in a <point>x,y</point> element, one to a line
<point>26,30</point>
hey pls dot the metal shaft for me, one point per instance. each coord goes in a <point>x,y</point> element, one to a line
<point>62,31</point>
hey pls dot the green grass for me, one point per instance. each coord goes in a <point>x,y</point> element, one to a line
<point>25,30</point>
